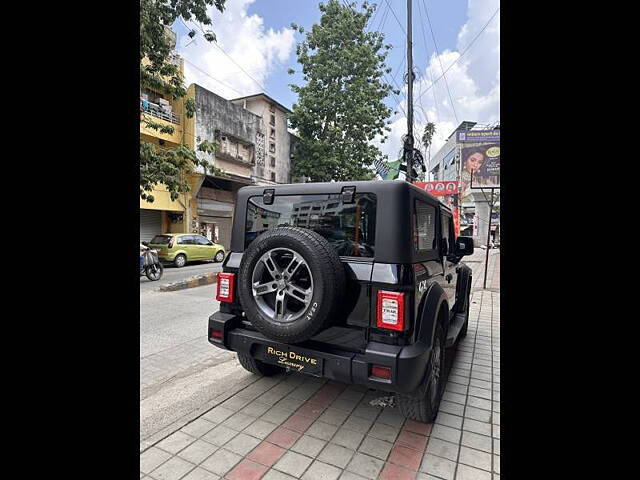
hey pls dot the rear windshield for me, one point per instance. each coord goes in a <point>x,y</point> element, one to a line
<point>161,239</point>
<point>350,228</point>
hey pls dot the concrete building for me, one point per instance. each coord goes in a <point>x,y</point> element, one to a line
<point>273,159</point>
<point>474,212</point>
<point>163,214</point>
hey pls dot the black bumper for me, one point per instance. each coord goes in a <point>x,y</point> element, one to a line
<point>408,364</point>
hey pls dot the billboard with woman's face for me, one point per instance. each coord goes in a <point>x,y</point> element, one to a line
<point>480,160</point>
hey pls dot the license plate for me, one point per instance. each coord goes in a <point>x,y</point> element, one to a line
<point>294,360</point>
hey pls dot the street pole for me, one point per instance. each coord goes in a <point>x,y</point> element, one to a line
<point>486,260</point>
<point>408,143</point>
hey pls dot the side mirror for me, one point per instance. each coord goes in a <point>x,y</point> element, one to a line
<point>146,244</point>
<point>464,246</point>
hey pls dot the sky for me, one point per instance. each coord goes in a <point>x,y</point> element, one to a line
<point>257,47</point>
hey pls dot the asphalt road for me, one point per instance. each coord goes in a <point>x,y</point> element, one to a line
<point>173,274</point>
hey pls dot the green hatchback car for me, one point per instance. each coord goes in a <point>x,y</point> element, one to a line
<point>180,248</point>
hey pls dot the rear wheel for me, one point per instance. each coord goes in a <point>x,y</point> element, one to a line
<point>219,256</point>
<point>422,405</point>
<point>154,272</point>
<point>180,260</point>
<point>256,366</point>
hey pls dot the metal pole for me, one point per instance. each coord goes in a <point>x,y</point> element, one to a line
<point>486,260</point>
<point>408,147</point>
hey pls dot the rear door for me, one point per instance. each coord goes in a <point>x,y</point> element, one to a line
<point>448,267</point>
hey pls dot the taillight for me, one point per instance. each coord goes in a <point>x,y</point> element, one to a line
<point>381,372</point>
<point>390,310</point>
<point>225,287</point>
<point>216,334</point>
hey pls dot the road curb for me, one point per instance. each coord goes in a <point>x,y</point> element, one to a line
<point>197,281</point>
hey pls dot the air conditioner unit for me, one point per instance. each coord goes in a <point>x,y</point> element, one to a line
<point>162,101</point>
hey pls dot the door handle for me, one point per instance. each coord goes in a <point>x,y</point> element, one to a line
<point>449,277</point>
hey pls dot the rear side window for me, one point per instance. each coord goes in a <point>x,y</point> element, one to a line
<point>424,231</point>
<point>186,240</point>
<point>161,239</point>
<point>349,227</point>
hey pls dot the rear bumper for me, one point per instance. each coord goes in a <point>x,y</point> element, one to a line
<point>408,364</point>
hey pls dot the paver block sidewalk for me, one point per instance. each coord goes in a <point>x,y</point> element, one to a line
<point>295,426</point>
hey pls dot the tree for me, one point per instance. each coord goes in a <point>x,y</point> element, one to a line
<point>427,137</point>
<point>157,165</point>
<point>340,109</point>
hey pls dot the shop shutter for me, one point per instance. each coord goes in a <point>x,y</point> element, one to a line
<point>150,224</point>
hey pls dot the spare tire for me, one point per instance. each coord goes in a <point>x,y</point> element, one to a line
<point>290,283</point>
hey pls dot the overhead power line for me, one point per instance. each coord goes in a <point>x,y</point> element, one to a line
<point>395,16</point>
<point>463,51</point>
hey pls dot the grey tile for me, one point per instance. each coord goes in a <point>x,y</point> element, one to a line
<point>454,397</point>
<point>384,432</point>
<point>255,409</point>
<point>321,471</point>
<point>475,458</point>
<point>477,427</point>
<point>452,408</point>
<point>347,438</point>
<point>469,473</point>
<point>496,464</point>
<point>333,416</point>
<point>309,446</point>
<point>346,475</point>
<point>444,449</point>
<point>480,392</point>
<point>198,427</point>
<point>375,447</point>
<point>293,464</point>
<point>197,451</point>
<point>218,414</point>
<point>449,420</point>
<point>456,388</point>
<point>495,418</point>
<point>151,458</point>
<point>390,416</point>
<point>426,476</point>
<point>336,455</point>
<point>276,415</point>
<point>479,403</point>
<point>496,407</point>
<point>496,431</point>
<point>235,403</point>
<point>322,430</point>
<point>366,411</point>
<point>221,461</point>
<point>201,474</point>
<point>358,424</point>
<point>345,404</point>
<point>438,466</point>
<point>474,440</point>
<point>176,442</point>
<point>242,444</point>
<point>478,414</point>
<point>365,465</point>
<point>290,403</point>
<point>480,383</point>
<point>496,446</point>
<point>448,434</point>
<point>220,435</point>
<point>276,475</point>
<point>260,429</point>
<point>172,469</point>
<point>238,421</point>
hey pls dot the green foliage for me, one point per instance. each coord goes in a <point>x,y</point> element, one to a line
<point>340,110</point>
<point>161,165</point>
<point>427,134</point>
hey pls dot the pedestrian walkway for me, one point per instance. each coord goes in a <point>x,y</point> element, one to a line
<point>296,426</point>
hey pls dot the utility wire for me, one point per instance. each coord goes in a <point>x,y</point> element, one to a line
<point>464,50</point>
<point>426,65</point>
<point>435,44</point>
<point>394,16</point>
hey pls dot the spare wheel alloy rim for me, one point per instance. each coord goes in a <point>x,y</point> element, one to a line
<point>282,285</point>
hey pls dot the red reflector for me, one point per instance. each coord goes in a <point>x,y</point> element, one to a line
<point>381,372</point>
<point>390,310</point>
<point>224,292</point>
<point>216,334</point>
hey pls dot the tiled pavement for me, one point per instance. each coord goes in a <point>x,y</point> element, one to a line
<point>296,426</point>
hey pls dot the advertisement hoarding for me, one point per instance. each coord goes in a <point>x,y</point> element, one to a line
<point>480,160</point>
<point>448,192</point>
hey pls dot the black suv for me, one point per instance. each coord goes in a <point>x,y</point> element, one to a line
<point>360,282</point>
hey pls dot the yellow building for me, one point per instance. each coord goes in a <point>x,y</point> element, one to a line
<point>163,214</point>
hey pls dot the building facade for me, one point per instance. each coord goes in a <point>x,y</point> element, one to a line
<point>163,214</point>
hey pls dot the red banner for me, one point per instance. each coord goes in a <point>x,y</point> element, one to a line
<point>449,191</point>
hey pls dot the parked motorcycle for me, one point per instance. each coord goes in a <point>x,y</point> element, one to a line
<point>150,264</point>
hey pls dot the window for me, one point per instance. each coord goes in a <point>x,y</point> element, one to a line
<point>200,240</point>
<point>448,232</point>
<point>272,134</point>
<point>161,240</point>
<point>350,230</point>
<point>273,120</point>
<point>425,226</point>
<point>186,240</point>
<point>273,161</point>
<point>272,147</point>
<point>273,176</point>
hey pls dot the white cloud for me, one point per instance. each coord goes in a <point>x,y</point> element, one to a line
<point>474,82</point>
<point>257,50</point>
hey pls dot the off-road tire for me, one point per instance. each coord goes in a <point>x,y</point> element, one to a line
<point>256,366</point>
<point>180,263</point>
<point>418,405</point>
<point>329,283</point>
<point>465,325</point>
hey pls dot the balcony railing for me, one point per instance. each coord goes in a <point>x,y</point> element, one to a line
<point>156,110</point>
